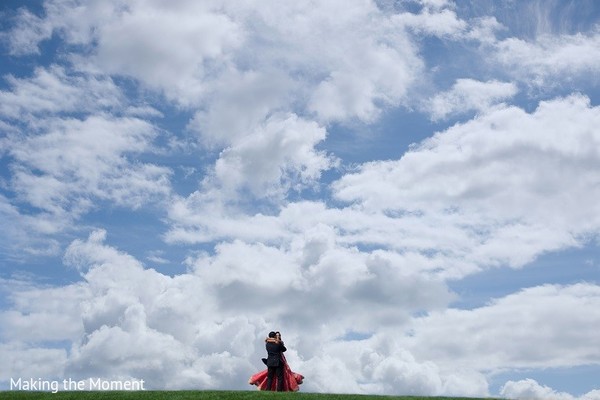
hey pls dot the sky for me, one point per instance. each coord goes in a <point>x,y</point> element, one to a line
<point>407,190</point>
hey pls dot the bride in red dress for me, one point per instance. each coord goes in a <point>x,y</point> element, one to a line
<point>291,379</point>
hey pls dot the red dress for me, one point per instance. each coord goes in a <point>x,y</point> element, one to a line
<point>291,380</point>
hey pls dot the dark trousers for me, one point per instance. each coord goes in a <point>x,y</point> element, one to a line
<point>275,371</point>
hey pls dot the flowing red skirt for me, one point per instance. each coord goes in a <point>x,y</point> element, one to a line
<point>291,379</point>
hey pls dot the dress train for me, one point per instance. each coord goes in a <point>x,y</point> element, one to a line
<point>291,379</point>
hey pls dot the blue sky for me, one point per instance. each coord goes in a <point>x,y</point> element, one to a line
<point>407,190</point>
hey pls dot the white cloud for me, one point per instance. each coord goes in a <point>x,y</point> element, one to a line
<point>314,268</point>
<point>206,326</point>
<point>369,76</point>
<point>29,361</point>
<point>168,48</point>
<point>205,217</point>
<point>175,58</point>
<point>29,30</point>
<point>240,103</point>
<point>591,395</point>
<point>290,143</point>
<point>331,61</point>
<point>264,83</point>
<point>55,90</point>
<point>67,148</point>
<point>26,234</point>
<point>414,241</point>
<point>156,257</point>
<point>44,314</point>
<point>468,94</point>
<point>521,330</point>
<point>83,254</point>
<point>456,203</point>
<point>529,389</point>
<point>346,59</point>
<point>541,62</point>
<point>380,366</point>
<point>434,19</point>
<point>70,162</point>
<point>142,324</point>
<point>436,4</point>
<point>484,30</point>
<point>486,174</point>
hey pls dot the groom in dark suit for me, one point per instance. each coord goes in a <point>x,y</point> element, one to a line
<point>274,363</point>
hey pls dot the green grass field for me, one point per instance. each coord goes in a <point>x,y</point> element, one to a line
<point>207,395</point>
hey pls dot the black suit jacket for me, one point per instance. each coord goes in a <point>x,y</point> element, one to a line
<point>274,351</point>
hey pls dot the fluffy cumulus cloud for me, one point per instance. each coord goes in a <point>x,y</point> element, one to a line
<point>201,44</point>
<point>546,310</point>
<point>225,126</point>
<point>22,232</point>
<point>70,143</point>
<point>63,169</point>
<point>436,18</point>
<point>467,94</point>
<point>128,321</point>
<point>203,328</point>
<point>488,172</point>
<point>541,61</point>
<point>55,90</point>
<point>73,159</point>
<point>291,141</point>
<point>530,389</point>
<point>149,333</point>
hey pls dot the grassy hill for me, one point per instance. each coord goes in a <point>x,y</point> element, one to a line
<point>207,395</point>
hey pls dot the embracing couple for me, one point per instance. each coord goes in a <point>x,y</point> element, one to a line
<point>278,374</point>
